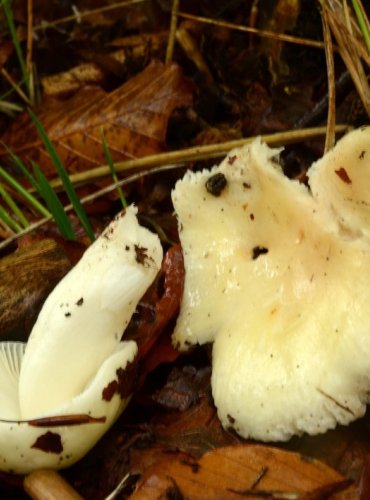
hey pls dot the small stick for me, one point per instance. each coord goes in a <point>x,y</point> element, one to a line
<point>330,123</point>
<point>88,198</point>
<point>253,20</point>
<point>192,51</point>
<point>16,87</point>
<point>87,13</point>
<point>172,35</point>
<point>47,484</point>
<point>155,162</point>
<point>118,488</point>
<point>29,45</point>
<point>198,153</point>
<point>261,33</point>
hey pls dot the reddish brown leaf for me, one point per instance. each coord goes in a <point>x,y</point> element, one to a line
<point>156,310</point>
<point>134,118</point>
<point>364,486</point>
<point>239,471</point>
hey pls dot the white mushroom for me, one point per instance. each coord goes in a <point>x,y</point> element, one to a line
<point>75,362</point>
<point>340,182</point>
<point>279,278</point>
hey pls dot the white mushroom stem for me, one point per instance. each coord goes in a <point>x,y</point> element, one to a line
<point>82,320</point>
<point>279,280</point>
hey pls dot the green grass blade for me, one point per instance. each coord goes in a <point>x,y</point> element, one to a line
<point>11,223</point>
<point>24,193</point>
<point>10,108</point>
<point>14,207</point>
<point>362,23</point>
<point>13,32</point>
<point>112,169</point>
<point>68,186</point>
<point>54,205</point>
<point>22,167</point>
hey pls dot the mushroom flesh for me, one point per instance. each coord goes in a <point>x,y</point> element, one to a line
<point>277,276</point>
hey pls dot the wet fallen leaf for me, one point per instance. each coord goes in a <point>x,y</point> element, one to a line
<point>134,118</point>
<point>364,485</point>
<point>240,471</point>
<point>156,310</point>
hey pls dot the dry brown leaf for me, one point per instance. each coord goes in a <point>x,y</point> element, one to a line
<point>240,471</point>
<point>157,308</point>
<point>134,118</point>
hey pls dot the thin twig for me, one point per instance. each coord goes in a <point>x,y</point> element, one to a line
<point>172,34</point>
<point>261,33</point>
<point>198,153</point>
<point>191,49</point>
<point>156,164</point>
<point>118,488</point>
<point>30,49</point>
<point>16,87</point>
<point>91,197</point>
<point>330,124</point>
<point>81,15</point>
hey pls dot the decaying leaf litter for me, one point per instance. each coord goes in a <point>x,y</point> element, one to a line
<point>223,84</point>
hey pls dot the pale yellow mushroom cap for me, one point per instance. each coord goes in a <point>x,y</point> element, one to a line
<point>273,279</point>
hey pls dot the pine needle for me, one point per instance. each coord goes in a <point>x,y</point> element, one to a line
<point>262,33</point>
<point>330,123</point>
<point>351,46</point>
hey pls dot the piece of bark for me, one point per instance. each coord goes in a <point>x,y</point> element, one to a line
<point>26,278</point>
